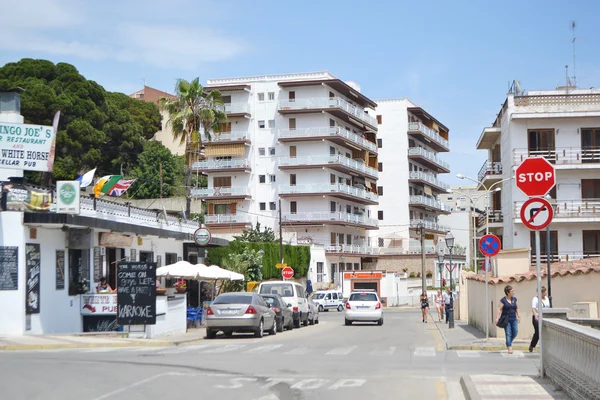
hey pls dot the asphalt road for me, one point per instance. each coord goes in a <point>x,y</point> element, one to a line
<point>403,359</point>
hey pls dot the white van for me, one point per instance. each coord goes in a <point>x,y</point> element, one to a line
<point>293,294</point>
<point>329,300</point>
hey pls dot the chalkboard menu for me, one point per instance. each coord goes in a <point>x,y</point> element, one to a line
<point>60,269</point>
<point>136,293</point>
<point>9,268</point>
<point>97,264</point>
<point>32,270</point>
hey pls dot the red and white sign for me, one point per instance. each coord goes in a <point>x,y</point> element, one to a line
<point>537,213</point>
<point>535,176</point>
<point>363,275</point>
<point>287,273</point>
<point>98,304</point>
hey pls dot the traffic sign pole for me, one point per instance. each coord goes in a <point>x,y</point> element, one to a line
<point>538,267</point>
<point>487,299</point>
<point>490,246</point>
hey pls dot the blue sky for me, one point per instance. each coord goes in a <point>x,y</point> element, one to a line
<point>455,59</point>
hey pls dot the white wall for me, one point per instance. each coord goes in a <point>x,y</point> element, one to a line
<point>12,302</point>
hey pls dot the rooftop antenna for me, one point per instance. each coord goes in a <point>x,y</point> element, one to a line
<point>144,80</point>
<point>567,79</point>
<point>574,65</point>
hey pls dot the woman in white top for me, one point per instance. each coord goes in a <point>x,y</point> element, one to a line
<point>535,317</point>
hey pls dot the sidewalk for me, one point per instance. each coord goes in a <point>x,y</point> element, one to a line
<point>83,340</point>
<point>481,387</point>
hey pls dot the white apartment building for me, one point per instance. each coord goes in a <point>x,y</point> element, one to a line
<point>305,140</point>
<point>563,126</point>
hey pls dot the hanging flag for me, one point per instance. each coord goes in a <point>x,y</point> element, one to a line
<point>106,183</point>
<point>50,161</point>
<point>86,179</point>
<point>121,187</point>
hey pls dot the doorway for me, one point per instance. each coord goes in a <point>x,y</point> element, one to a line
<point>113,257</point>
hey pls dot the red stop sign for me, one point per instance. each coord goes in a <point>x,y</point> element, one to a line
<point>287,273</point>
<point>535,176</point>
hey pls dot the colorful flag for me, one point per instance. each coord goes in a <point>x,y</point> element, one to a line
<point>106,183</point>
<point>86,179</point>
<point>50,161</point>
<point>121,187</point>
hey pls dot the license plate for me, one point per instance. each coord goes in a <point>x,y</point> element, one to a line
<point>363,307</point>
<point>229,312</point>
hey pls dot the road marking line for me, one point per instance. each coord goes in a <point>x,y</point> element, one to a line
<point>226,349</point>
<point>383,352</point>
<point>424,352</point>
<point>298,351</point>
<point>264,349</point>
<point>100,350</point>
<point>468,353</point>
<point>138,383</point>
<point>341,351</point>
<point>516,354</point>
<point>440,388</point>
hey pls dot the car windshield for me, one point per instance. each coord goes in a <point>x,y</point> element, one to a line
<point>282,289</point>
<point>271,301</point>
<point>363,297</point>
<point>319,295</point>
<point>233,299</point>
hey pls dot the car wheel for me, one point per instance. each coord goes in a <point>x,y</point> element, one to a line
<point>297,323</point>
<point>259,331</point>
<point>320,308</point>
<point>380,322</point>
<point>228,334</point>
<point>347,322</point>
<point>210,334</point>
<point>274,328</point>
<point>291,324</point>
<point>317,320</point>
<point>311,321</point>
<point>340,308</point>
<point>281,325</point>
<point>305,322</point>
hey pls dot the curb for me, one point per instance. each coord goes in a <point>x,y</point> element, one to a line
<point>81,346</point>
<point>178,342</point>
<point>442,334</point>
<point>487,348</point>
<point>469,388</point>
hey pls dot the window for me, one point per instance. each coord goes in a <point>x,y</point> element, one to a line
<point>262,206</point>
<point>271,151</point>
<point>590,188</point>
<point>331,150</point>
<point>348,209</point>
<point>292,123</point>
<point>379,143</point>
<point>292,151</point>
<point>79,269</point>
<point>271,123</point>
<point>591,242</point>
<point>590,143</point>
<point>292,96</point>
<point>379,242</point>
<point>380,167</point>
<point>261,124</point>
<point>320,274</point>
<point>332,207</point>
<point>380,190</point>
<point>261,151</point>
<point>271,96</point>
<point>272,206</point>
<point>380,215</point>
<point>226,99</point>
<point>379,119</point>
<point>261,97</point>
<point>272,178</point>
<point>541,140</point>
<point>553,243</point>
<point>262,178</point>
<point>365,296</point>
<point>356,266</point>
<point>292,179</point>
<point>332,123</point>
<point>332,179</point>
<point>170,258</point>
<point>293,207</point>
<point>222,181</point>
<point>348,239</point>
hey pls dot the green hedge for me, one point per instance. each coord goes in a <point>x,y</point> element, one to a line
<point>297,257</point>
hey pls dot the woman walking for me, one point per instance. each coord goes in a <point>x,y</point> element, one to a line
<point>439,304</point>
<point>508,316</point>
<point>535,317</point>
<point>424,306</point>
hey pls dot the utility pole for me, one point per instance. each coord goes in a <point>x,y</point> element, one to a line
<point>548,261</point>
<point>423,281</point>
<point>280,235</point>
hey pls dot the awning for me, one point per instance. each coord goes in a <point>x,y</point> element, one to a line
<point>234,149</point>
<point>224,201</point>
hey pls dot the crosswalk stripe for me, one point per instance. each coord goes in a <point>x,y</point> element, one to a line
<point>225,349</point>
<point>298,350</point>
<point>341,351</point>
<point>264,349</point>
<point>100,350</point>
<point>515,354</point>
<point>384,352</point>
<point>468,354</point>
<point>424,352</point>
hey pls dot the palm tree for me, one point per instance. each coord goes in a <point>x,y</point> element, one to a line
<point>194,109</point>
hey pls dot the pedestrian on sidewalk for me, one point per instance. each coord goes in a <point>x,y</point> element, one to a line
<point>438,299</point>
<point>424,305</point>
<point>447,297</point>
<point>508,316</point>
<point>535,320</point>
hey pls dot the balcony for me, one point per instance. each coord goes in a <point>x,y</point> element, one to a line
<point>491,171</point>
<point>495,220</point>
<point>351,249</point>
<point>429,136</point>
<point>241,109</point>
<point>222,193</point>
<point>335,134</point>
<point>428,225</point>
<point>222,165</point>
<point>329,218</point>
<point>562,157</point>
<point>227,220</point>
<point>428,179</point>
<point>336,190</point>
<point>428,204</point>
<point>337,162</point>
<point>580,210</point>
<point>429,159</point>
<point>489,137</point>
<point>226,137</point>
<point>335,106</point>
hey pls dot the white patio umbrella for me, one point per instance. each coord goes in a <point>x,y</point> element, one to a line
<point>225,273</point>
<point>180,269</point>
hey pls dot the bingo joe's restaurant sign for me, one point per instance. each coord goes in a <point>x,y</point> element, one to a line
<point>27,147</point>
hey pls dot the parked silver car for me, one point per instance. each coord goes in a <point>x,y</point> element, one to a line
<point>239,312</point>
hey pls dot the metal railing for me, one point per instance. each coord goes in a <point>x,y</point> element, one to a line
<point>226,137</point>
<point>221,191</point>
<point>325,102</point>
<point>226,219</point>
<point>221,164</point>
<point>570,354</point>
<point>236,108</point>
<point>586,101</point>
<point>415,200</point>
<point>559,155</point>
<point>321,216</point>
<point>328,131</point>
<point>331,188</point>
<point>419,151</point>
<point>430,133</point>
<point>431,225</point>
<point>351,249</point>
<point>495,216</point>
<point>489,168</point>
<point>328,159</point>
<point>430,178</point>
<point>570,208</point>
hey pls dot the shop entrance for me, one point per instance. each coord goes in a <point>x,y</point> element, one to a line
<point>113,256</point>
<point>366,285</point>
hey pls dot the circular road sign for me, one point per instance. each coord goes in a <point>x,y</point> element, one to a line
<point>536,213</point>
<point>287,273</point>
<point>202,236</point>
<point>489,245</point>
<point>535,176</point>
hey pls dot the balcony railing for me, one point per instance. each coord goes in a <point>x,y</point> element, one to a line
<point>351,249</point>
<point>323,102</point>
<point>226,137</point>
<point>321,216</point>
<point>430,178</point>
<point>335,131</point>
<point>328,159</point>
<point>227,219</point>
<point>430,133</point>
<point>489,168</point>
<point>417,200</point>
<point>419,151</point>
<point>560,155</point>
<point>332,188</point>
<point>221,164</point>
<point>583,208</point>
<point>237,108</point>
<point>221,191</point>
<point>495,216</point>
<point>431,225</point>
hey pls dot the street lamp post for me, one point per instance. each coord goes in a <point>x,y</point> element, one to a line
<point>450,244</point>
<point>440,258</point>
<point>472,219</point>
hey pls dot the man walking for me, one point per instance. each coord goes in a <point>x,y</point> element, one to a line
<point>447,297</point>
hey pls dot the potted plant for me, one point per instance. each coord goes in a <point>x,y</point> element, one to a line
<point>161,291</point>
<point>429,273</point>
<point>180,286</point>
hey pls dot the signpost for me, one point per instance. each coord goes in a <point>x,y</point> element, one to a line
<point>280,266</point>
<point>202,237</point>
<point>490,246</point>
<point>287,273</point>
<point>536,177</point>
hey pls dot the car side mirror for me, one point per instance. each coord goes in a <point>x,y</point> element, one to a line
<point>289,305</point>
<point>269,305</point>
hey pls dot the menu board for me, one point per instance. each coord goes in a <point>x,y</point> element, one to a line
<point>136,293</point>
<point>97,264</point>
<point>60,269</point>
<point>9,268</point>
<point>32,274</point>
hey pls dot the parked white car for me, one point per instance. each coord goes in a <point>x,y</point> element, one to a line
<point>328,300</point>
<point>364,306</point>
<point>294,296</point>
